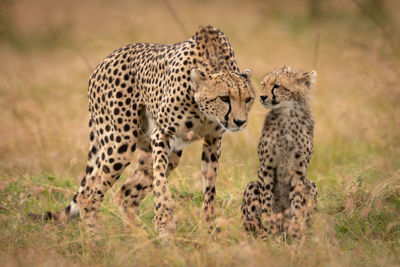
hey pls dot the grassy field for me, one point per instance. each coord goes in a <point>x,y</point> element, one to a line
<point>48,49</point>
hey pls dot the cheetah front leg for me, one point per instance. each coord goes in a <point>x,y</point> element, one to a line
<point>298,207</point>
<point>163,203</point>
<point>209,169</point>
<point>269,219</point>
<point>311,192</point>
<point>251,209</point>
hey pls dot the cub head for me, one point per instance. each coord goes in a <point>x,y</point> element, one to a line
<point>285,86</point>
<point>225,97</point>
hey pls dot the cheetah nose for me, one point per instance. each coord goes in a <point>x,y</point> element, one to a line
<point>263,97</point>
<point>239,122</point>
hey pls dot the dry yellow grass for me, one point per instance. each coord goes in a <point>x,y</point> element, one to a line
<point>48,49</point>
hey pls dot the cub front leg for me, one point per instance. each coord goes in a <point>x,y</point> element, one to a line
<point>312,192</point>
<point>163,203</point>
<point>209,169</point>
<point>251,209</point>
<point>269,219</point>
<point>298,207</point>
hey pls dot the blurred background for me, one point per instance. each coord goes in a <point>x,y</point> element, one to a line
<point>49,48</point>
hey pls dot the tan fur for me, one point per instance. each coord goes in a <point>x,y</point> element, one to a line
<point>283,199</point>
<point>159,98</point>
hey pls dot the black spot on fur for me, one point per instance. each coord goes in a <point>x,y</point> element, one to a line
<point>204,157</point>
<point>189,124</point>
<point>123,148</point>
<point>106,169</point>
<point>68,209</point>
<point>133,148</point>
<point>89,169</point>
<point>213,158</point>
<point>117,166</point>
<point>127,192</point>
<point>83,182</point>
<point>48,216</point>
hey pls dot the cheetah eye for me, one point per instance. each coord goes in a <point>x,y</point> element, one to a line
<point>224,99</point>
<point>276,86</point>
<point>248,100</point>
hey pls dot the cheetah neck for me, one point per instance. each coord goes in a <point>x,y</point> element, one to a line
<point>294,110</point>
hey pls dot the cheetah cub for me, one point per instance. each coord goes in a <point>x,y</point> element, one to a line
<point>283,199</point>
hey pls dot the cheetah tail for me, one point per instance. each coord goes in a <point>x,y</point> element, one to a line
<point>61,216</point>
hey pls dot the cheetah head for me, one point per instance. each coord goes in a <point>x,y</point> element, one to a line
<point>285,86</point>
<point>225,97</point>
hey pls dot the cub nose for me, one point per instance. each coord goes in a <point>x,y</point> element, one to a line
<point>239,122</point>
<point>263,97</point>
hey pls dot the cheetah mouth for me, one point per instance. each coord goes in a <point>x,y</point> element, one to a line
<point>266,104</point>
<point>270,104</point>
<point>225,126</point>
<point>235,130</point>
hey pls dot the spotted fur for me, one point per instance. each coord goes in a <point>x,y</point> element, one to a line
<point>158,98</point>
<point>283,199</point>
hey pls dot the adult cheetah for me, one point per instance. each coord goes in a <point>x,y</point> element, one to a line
<point>283,198</point>
<point>157,98</point>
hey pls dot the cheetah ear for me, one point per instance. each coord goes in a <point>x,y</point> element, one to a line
<point>197,76</point>
<point>246,74</point>
<point>286,68</point>
<point>308,78</point>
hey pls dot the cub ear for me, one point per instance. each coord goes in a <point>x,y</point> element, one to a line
<point>197,76</point>
<point>286,68</point>
<point>246,74</point>
<point>308,78</point>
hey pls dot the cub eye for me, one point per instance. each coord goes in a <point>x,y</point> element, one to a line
<point>248,99</point>
<point>224,99</point>
<point>276,86</point>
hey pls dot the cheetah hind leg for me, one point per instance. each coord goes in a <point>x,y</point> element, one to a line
<point>140,184</point>
<point>111,159</point>
<point>136,187</point>
<point>98,183</point>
